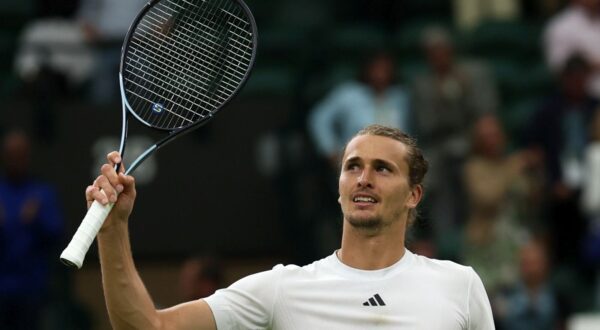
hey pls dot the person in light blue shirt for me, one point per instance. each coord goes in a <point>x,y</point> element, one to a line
<point>531,303</point>
<point>373,98</point>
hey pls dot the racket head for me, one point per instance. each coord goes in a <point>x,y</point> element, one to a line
<point>184,60</point>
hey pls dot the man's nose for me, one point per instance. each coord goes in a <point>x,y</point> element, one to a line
<point>365,180</point>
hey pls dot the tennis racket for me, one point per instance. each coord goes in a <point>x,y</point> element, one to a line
<point>181,62</point>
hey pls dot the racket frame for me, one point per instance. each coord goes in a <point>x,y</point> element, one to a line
<point>173,133</point>
<point>75,259</point>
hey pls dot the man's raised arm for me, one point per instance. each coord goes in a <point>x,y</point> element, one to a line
<point>127,300</point>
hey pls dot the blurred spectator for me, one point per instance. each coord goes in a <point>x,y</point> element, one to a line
<point>105,24</point>
<point>81,48</point>
<point>199,278</point>
<point>55,8</point>
<point>30,225</point>
<point>590,200</point>
<point>591,166</point>
<point>560,129</point>
<point>447,100</point>
<point>469,13</point>
<point>373,98</point>
<point>499,194</point>
<point>576,30</point>
<point>532,303</point>
<point>52,60</point>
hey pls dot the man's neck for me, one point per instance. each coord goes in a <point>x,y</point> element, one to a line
<point>368,251</point>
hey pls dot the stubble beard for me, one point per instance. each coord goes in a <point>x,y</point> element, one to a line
<point>370,223</point>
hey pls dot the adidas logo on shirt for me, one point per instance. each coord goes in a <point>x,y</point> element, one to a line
<point>374,301</point>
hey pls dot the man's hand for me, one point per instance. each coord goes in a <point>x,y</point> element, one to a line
<point>113,187</point>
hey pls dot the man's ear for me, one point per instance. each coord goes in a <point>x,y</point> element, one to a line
<point>339,199</point>
<point>416,193</point>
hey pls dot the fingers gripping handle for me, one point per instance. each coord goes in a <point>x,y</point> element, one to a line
<point>75,252</point>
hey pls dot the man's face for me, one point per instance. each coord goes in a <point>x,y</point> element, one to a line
<point>374,185</point>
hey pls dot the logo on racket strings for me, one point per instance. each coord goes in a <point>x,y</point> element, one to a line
<point>158,108</point>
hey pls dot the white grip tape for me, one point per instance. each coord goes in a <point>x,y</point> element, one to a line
<point>87,231</point>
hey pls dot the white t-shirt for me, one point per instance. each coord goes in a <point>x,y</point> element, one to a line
<point>414,293</point>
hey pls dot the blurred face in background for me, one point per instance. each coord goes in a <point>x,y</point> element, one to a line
<point>16,151</point>
<point>592,7</point>
<point>488,137</point>
<point>440,56</point>
<point>533,264</point>
<point>574,83</point>
<point>380,72</point>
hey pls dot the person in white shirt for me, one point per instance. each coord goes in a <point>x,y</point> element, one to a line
<point>575,30</point>
<point>371,282</point>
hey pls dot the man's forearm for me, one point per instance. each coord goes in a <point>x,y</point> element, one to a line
<point>128,302</point>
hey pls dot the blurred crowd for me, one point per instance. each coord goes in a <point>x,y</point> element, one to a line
<point>514,183</point>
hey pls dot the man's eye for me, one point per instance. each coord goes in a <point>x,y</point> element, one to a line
<point>351,167</point>
<point>383,169</point>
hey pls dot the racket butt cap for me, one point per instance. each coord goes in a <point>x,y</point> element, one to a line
<point>70,260</point>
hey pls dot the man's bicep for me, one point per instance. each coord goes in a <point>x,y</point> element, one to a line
<point>195,315</point>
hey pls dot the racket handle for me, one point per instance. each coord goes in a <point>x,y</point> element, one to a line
<point>75,252</point>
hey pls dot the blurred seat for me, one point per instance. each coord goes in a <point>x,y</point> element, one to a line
<point>15,13</point>
<point>409,68</point>
<point>531,80</point>
<point>515,117</point>
<point>407,39</point>
<point>517,80</point>
<point>283,43</point>
<point>8,80</point>
<point>306,14</point>
<point>323,82</point>
<point>429,9</point>
<point>270,80</point>
<point>8,45</point>
<point>17,7</point>
<point>354,41</point>
<point>506,39</point>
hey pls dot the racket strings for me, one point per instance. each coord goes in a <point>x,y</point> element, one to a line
<point>164,68</point>
<point>159,70</point>
<point>186,58</point>
<point>230,78</point>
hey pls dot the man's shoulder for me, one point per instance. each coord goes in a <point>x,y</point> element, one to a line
<point>444,270</point>
<point>293,269</point>
<point>290,273</point>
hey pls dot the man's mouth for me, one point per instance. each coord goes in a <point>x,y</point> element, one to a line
<point>364,199</point>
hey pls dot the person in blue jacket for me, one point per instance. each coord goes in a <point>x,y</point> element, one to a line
<point>30,226</point>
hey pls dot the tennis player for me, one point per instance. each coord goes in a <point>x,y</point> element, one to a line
<point>371,282</point>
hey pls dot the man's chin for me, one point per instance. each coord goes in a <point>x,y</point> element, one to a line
<point>364,223</point>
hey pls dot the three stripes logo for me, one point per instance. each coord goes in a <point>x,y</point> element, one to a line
<point>374,301</point>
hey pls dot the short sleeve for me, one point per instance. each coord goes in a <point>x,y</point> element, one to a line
<point>247,303</point>
<point>480,311</point>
